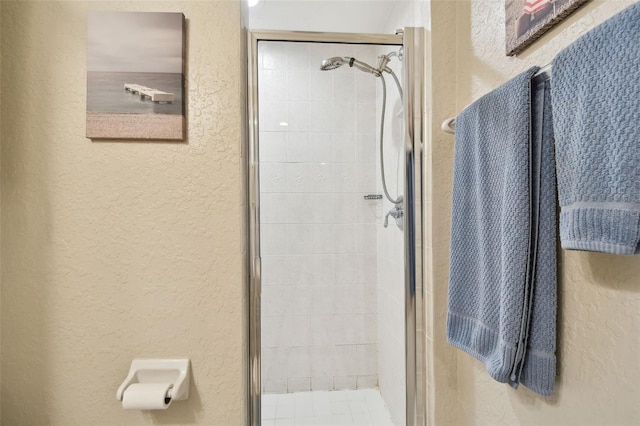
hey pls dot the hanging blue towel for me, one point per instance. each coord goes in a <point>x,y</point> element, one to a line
<point>596,110</point>
<point>502,285</point>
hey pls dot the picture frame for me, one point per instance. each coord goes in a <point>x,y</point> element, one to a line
<point>528,20</point>
<point>135,76</point>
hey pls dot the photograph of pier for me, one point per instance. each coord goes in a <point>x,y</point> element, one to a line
<point>135,76</point>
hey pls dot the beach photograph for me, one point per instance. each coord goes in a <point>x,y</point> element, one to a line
<point>135,76</point>
<point>528,20</point>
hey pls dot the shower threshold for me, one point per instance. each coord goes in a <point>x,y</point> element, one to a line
<point>362,407</point>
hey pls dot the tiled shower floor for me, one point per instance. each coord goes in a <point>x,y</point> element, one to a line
<point>363,407</point>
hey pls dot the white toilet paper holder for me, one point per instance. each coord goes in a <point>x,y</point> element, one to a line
<point>175,371</point>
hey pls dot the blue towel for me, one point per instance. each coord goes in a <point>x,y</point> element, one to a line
<point>596,110</point>
<point>502,284</point>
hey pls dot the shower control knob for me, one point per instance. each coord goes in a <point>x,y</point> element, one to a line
<point>395,213</point>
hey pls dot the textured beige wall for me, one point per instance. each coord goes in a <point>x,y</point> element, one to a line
<point>599,295</point>
<point>0,198</point>
<point>118,250</point>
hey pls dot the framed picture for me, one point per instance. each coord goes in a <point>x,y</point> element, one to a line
<point>135,76</point>
<point>527,20</point>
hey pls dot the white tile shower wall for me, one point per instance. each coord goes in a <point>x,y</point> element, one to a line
<point>318,234</point>
<point>390,253</point>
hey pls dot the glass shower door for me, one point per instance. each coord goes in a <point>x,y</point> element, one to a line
<point>330,273</point>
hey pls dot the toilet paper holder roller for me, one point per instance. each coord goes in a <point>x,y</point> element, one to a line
<point>174,371</point>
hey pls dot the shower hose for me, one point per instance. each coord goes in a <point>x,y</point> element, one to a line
<point>384,104</point>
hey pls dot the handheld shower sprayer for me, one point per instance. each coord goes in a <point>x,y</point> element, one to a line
<point>383,61</point>
<point>336,61</point>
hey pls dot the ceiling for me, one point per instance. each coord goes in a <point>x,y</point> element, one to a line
<point>360,16</point>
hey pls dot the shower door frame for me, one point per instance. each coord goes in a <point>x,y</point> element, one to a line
<point>412,39</point>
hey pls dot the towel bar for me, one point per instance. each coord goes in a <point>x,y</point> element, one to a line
<point>543,74</point>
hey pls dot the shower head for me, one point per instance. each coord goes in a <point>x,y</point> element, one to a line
<point>336,61</point>
<point>332,63</point>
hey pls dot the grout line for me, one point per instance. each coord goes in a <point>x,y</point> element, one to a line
<point>352,398</point>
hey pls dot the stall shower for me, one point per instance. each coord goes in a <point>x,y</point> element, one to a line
<point>332,302</point>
